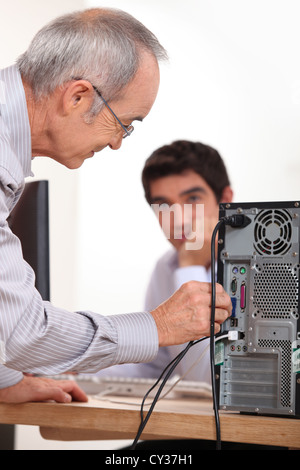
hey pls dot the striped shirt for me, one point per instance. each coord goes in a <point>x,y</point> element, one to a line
<point>35,336</point>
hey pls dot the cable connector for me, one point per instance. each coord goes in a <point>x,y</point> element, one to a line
<point>237,220</point>
<point>233,335</point>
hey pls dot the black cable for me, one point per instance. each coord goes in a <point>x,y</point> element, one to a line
<point>181,354</point>
<point>171,366</point>
<point>175,362</point>
<point>236,221</point>
<point>212,333</point>
<point>179,357</point>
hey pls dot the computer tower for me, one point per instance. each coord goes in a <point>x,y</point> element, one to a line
<point>258,371</point>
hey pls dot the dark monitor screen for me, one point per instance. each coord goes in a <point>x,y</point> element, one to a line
<point>29,221</point>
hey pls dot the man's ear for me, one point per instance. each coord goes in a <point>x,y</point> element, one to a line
<point>77,95</point>
<point>227,194</point>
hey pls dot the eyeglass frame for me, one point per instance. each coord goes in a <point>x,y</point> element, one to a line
<point>128,130</point>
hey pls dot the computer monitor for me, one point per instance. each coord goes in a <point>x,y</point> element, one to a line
<point>29,221</point>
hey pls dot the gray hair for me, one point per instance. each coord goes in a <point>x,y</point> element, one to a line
<point>101,45</point>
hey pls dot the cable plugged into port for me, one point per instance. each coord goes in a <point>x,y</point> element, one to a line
<point>233,335</point>
<point>237,220</point>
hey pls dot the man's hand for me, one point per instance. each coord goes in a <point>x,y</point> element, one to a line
<point>42,389</point>
<point>186,315</point>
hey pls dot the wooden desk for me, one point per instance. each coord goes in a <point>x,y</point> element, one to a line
<point>171,419</point>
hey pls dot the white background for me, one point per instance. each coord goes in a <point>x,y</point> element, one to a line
<point>233,82</point>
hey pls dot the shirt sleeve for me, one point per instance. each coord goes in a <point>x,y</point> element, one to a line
<point>9,377</point>
<point>38,337</point>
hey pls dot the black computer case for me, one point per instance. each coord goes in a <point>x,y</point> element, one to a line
<point>259,370</point>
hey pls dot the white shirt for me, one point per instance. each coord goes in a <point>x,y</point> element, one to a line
<point>35,336</point>
<point>166,278</point>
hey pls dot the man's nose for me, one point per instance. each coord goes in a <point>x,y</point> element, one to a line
<point>116,141</point>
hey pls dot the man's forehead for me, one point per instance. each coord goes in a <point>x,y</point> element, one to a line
<point>143,88</point>
<point>182,181</point>
<point>177,186</point>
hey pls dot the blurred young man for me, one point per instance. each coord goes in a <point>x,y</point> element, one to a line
<point>179,177</point>
<point>186,174</point>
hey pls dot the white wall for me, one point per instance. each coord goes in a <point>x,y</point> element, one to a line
<point>233,82</point>
<point>19,21</point>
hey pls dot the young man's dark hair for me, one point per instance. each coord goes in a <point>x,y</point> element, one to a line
<point>184,155</point>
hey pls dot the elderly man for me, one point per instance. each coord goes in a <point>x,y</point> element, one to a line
<point>84,80</point>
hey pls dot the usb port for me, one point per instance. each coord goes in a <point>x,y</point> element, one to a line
<point>243,296</point>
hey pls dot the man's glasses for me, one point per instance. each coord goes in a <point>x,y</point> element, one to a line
<point>128,130</point>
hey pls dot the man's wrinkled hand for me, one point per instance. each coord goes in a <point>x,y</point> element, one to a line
<point>33,389</point>
<point>186,316</point>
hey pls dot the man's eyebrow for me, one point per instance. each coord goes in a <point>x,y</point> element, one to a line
<point>160,199</point>
<point>138,118</point>
<point>163,199</point>
<point>195,189</point>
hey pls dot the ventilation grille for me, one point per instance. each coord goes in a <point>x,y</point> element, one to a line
<point>286,367</point>
<point>276,291</point>
<point>273,232</point>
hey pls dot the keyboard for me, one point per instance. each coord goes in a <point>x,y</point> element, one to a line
<point>138,387</point>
